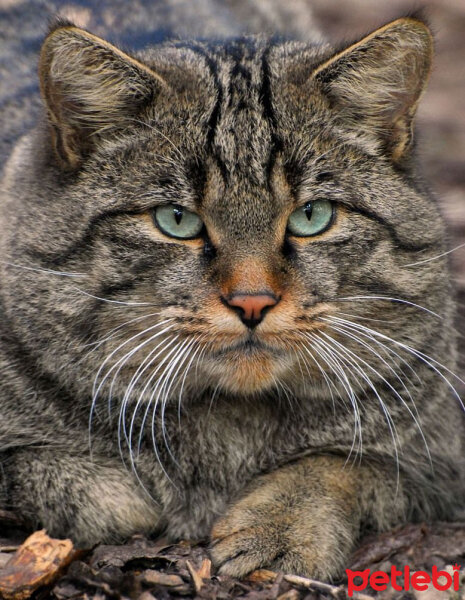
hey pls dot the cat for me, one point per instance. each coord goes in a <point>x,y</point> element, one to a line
<point>224,313</point>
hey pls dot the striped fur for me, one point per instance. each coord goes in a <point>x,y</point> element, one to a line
<point>281,445</point>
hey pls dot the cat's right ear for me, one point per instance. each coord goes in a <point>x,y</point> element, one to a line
<point>91,88</point>
<point>374,85</point>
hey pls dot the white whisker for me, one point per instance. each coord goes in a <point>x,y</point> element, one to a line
<point>166,390</point>
<point>122,361</point>
<point>387,349</point>
<point>111,334</point>
<point>96,388</point>
<point>328,355</point>
<point>143,367</point>
<point>427,260</point>
<point>43,270</point>
<point>121,302</point>
<point>396,393</point>
<point>122,420</point>
<point>425,358</point>
<point>212,399</point>
<point>353,360</point>
<point>186,371</point>
<point>327,380</point>
<point>388,299</point>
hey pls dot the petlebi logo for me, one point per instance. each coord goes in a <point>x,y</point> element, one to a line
<point>403,579</point>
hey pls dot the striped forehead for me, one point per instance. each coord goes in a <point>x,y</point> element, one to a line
<point>242,141</point>
<point>242,135</point>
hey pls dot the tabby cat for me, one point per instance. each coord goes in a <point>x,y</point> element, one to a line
<point>224,309</point>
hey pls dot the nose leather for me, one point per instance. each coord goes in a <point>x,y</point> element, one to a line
<point>251,307</point>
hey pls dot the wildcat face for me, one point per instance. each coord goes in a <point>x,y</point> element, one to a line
<point>244,136</point>
<point>235,229</point>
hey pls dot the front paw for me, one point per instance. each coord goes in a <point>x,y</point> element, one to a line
<point>288,524</point>
<point>292,542</point>
<point>241,543</point>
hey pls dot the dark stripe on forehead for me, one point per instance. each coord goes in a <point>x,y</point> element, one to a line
<point>239,70</point>
<point>269,114</point>
<point>252,142</point>
<point>213,68</point>
<point>216,112</point>
<point>265,92</point>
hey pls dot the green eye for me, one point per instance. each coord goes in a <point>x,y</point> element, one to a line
<point>310,219</point>
<point>177,222</point>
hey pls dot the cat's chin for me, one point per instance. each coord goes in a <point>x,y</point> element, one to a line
<point>248,370</point>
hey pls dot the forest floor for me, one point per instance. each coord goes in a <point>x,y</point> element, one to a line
<point>152,569</point>
<point>146,569</point>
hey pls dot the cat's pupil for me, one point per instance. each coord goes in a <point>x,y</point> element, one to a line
<point>308,210</point>
<point>178,214</point>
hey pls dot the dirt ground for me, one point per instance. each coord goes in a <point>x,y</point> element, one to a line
<point>153,570</point>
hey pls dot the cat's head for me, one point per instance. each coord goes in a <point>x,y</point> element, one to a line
<point>220,212</point>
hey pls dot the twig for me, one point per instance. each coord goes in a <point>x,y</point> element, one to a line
<point>196,579</point>
<point>338,592</point>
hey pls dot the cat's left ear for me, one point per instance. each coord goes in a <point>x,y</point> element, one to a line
<point>91,89</point>
<point>376,83</point>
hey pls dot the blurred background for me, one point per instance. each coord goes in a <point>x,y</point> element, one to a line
<point>441,118</point>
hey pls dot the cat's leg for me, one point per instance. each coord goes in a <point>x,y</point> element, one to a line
<point>72,496</point>
<point>303,518</point>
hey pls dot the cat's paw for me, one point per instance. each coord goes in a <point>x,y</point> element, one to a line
<point>238,552</point>
<point>296,540</point>
<point>289,521</point>
<point>242,542</point>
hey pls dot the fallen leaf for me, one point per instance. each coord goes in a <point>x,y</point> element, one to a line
<point>196,578</point>
<point>121,556</point>
<point>4,558</point>
<point>261,576</point>
<point>36,563</point>
<point>205,570</point>
<point>290,595</point>
<point>157,578</point>
<point>146,596</point>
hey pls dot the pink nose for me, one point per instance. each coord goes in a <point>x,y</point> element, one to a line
<point>251,307</point>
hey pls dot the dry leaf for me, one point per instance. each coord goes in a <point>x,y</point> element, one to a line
<point>261,576</point>
<point>36,563</point>
<point>290,595</point>
<point>196,579</point>
<point>205,570</point>
<point>157,578</point>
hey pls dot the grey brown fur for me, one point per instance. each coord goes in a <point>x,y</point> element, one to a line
<point>280,444</point>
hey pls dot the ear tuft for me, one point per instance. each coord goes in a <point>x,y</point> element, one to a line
<point>59,22</point>
<point>376,83</point>
<point>91,88</point>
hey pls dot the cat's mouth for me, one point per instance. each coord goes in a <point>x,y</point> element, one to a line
<point>248,365</point>
<point>251,346</point>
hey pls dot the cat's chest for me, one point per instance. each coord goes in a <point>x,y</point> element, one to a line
<point>214,455</point>
<point>223,447</point>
